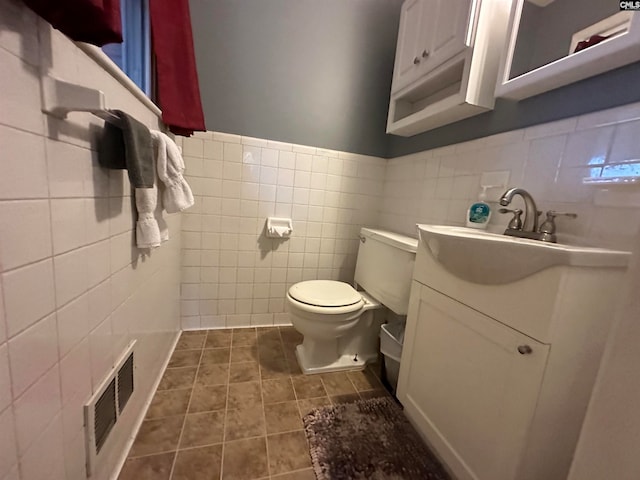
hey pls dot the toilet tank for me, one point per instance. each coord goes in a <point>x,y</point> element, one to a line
<point>384,267</point>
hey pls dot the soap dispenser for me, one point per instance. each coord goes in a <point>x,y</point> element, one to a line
<point>479,212</point>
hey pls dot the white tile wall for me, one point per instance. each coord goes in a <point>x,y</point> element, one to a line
<point>233,276</point>
<point>548,160</point>
<point>73,288</point>
<point>231,273</point>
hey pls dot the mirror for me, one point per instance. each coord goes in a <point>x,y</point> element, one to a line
<point>557,42</point>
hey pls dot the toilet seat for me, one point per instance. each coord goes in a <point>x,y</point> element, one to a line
<point>328,298</point>
<point>325,293</point>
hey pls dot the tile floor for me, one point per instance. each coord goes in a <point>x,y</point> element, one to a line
<point>230,407</point>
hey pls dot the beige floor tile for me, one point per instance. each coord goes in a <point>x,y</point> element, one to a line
<point>177,378</point>
<point>277,390</point>
<point>308,387</point>
<point>244,395</point>
<point>244,354</point>
<point>268,334</point>
<point>270,350</point>
<point>212,374</point>
<point>290,335</point>
<point>188,342</point>
<point>198,464</point>
<point>244,372</point>
<point>202,429</point>
<point>244,337</point>
<point>274,369</point>
<point>364,380</point>
<point>218,339</point>
<point>206,399</point>
<point>347,398</point>
<point>169,403</point>
<point>282,417</point>
<point>288,452</point>
<point>308,404</point>
<point>244,422</point>
<point>215,355</point>
<point>245,459</point>
<point>337,383</point>
<point>306,474</point>
<point>374,394</point>
<point>242,387</point>
<point>154,467</point>
<point>185,358</point>
<point>157,436</point>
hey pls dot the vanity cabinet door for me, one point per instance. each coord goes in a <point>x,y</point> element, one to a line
<point>469,384</point>
<point>412,25</point>
<point>445,37</point>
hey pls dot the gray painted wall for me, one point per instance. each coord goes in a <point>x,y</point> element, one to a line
<point>610,89</point>
<point>318,72</point>
<point>314,72</point>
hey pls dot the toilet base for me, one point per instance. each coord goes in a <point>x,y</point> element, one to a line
<point>344,362</point>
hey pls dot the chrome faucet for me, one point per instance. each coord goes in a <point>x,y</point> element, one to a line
<point>528,228</point>
<point>530,222</point>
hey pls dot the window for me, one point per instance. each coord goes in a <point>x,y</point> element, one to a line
<point>133,56</point>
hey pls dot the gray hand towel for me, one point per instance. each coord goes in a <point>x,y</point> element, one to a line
<point>128,145</point>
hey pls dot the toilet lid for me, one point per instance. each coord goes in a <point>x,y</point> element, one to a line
<point>325,293</point>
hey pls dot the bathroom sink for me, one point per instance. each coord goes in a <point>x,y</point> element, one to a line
<point>490,258</point>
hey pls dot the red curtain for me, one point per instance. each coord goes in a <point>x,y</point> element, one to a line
<point>92,21</point>
<point>178,89</point>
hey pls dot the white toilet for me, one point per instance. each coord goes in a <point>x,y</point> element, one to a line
<point>339,323</point>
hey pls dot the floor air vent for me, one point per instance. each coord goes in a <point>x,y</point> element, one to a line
<point>104,408</point>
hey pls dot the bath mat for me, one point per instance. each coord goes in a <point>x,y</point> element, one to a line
<point>368,439</point>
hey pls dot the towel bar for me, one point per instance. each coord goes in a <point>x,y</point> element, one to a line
<point>60,97</point>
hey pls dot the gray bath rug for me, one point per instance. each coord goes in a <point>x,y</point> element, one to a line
<point>368,439</point>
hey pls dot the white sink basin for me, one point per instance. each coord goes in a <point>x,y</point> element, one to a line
<point>489,258</point>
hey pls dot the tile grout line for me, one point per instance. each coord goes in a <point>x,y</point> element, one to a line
<point>226,405</point>
<point>184,421</point>
<point>264,414</point>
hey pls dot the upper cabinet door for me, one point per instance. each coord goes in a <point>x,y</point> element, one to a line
<point>446,36</point>
<point>409,37</point>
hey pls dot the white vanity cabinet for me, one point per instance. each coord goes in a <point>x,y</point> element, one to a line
<point>465,362</point>
<point>497,376</point>
<point>447,61</point>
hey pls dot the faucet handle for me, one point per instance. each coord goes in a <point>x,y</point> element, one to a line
<point>549,225</point>
<point>516,222</point>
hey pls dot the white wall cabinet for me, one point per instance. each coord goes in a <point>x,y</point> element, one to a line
<point>497,377</point>
<point>447,60</point>
<point>412,22</point>
<point>432,31</point>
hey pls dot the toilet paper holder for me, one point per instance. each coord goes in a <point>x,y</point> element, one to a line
<point>279,227</point>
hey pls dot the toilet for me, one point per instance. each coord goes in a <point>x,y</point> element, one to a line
<point>340,324</point>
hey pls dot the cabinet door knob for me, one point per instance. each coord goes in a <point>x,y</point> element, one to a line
<point>524,350</point>
<point>425,54</point>
<point>416,60</point>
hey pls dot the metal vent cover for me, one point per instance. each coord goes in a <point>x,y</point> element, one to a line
<point>104,415</point>
<point>125,382</point>
<point>102,411</point>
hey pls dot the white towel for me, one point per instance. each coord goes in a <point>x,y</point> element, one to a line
<point>147,229</point>
<point>177,194</point>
